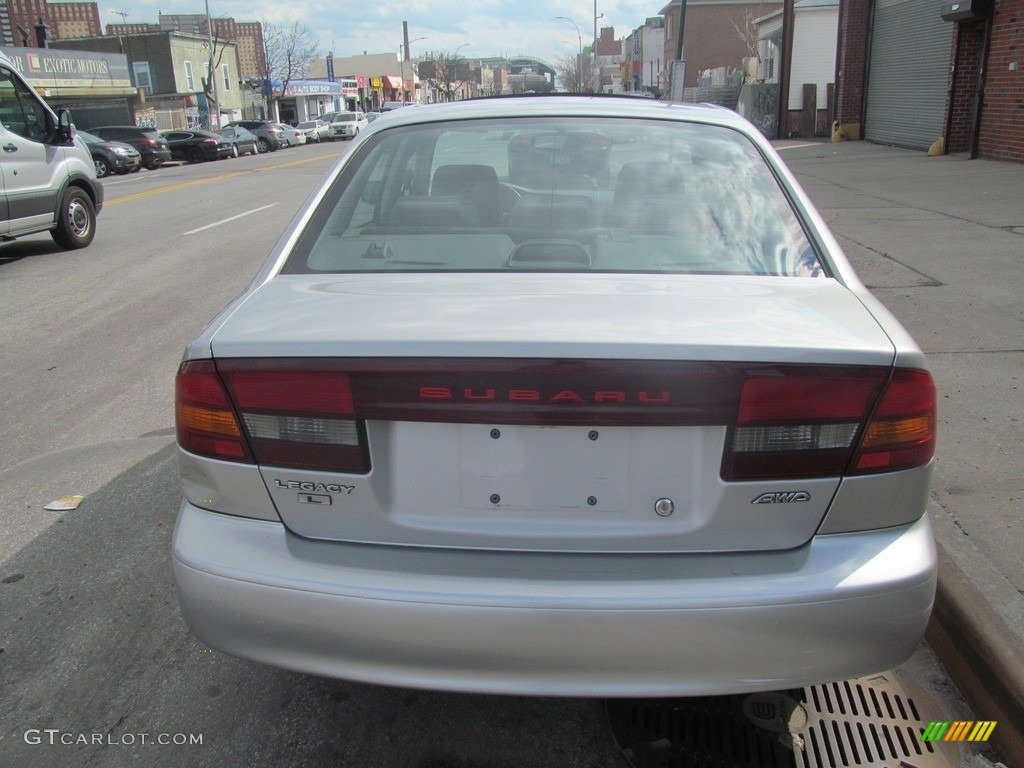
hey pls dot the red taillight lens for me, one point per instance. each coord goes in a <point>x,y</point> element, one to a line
<point>270,413</point>
<point>206,422</point>
<point>298,414</point>
<point>799,422</point>
<point>800,425</point>
<point>149,142</point>
<point>901,432</point>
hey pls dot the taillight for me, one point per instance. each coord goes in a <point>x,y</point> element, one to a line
<point>277,415</point>
<point>808,425</point>
<point>149,142</point>
<point>901,432</point>
<point>210,141</point>
<point>206,421</point>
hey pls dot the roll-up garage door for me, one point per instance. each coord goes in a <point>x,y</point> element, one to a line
<point>907,75</point>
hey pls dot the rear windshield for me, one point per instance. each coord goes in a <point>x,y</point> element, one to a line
<point>556,194</point>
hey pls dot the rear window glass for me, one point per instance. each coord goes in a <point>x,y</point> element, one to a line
<point>556,194</point>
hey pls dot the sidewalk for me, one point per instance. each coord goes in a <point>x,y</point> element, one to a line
<point>940,240</point>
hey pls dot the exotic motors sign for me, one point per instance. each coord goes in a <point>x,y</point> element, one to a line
<point>48,67</point>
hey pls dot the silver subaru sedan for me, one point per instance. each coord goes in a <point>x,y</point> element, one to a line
<point>558,396</point>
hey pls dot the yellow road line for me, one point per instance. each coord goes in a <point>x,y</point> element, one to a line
<point>296,162</point>
<point>219,177</point>
<point>171,188</point>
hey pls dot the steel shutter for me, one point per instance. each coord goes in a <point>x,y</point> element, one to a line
<point>908,73</point>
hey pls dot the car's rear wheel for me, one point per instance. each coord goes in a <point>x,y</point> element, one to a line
<point>152,165</point>
<point>102,167</point>
<point>76,220</point>
<point>255,150</point>
<point>263,144</point>
<point>194,155</point>
<point>234,150</point>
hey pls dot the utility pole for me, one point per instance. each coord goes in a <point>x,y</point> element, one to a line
<point>215,108</point>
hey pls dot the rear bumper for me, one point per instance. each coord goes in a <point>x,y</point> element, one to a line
<point>556,624</point>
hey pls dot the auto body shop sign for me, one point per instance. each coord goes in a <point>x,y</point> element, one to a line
<point>50,68</point>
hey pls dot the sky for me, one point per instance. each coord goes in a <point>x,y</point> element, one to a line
<point>487,27</point>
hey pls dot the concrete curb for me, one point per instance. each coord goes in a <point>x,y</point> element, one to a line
<point>982,655</point>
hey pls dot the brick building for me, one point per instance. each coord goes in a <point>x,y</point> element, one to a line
<point>914,71</point>
<point>246,35</point>
<point>718,33</point>
<point>18,19</point>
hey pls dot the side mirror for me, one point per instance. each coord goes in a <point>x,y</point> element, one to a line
<point>65,128</point>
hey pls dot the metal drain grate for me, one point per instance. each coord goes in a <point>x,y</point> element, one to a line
<point>875,721</point>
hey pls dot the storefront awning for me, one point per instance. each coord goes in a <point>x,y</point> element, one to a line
<point>390,81</point>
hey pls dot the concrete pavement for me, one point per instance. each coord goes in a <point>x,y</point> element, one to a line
<point>940,240</point>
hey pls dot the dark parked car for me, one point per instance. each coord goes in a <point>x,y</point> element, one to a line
<point>243,140</point>
<point>269,138</point>
<point>196,145</point>
<point>111,156</point>
<point>151,145</point>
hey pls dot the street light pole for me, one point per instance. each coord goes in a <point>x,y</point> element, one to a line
<point>579,59</point>
<point>402,59</point>
<point>455,65</point>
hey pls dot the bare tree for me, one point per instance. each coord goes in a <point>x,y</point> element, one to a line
<point>213,64</point>
<point>444,72</point>
<point>574,73</point>
<point>746,27</point>
<point>290,50</point>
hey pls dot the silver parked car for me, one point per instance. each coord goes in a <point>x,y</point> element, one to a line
<point>518,406</point>
<point>292,135</point>
<point>315,130</point>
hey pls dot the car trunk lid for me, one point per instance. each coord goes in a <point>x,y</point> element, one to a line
<point>540,412</point>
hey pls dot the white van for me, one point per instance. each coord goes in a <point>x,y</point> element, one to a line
<point>47,177</point>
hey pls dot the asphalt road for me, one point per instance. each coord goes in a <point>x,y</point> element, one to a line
<point>93,650</point>
<point>97,667</point>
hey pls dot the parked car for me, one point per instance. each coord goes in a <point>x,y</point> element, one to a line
<point>269,138</point>
<point>47,179</point>
<point>639,436</point>
<point>196,145</point>
<point>294,136</point>
<point>151,145</point>
<point>347,125</point>
<point>314,130</point>
<point>111,156</point>
<point>243,141</point>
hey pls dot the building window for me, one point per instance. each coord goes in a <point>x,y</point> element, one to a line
<point>190,80</point>
<point>227,77</point>
<point>142,78</point>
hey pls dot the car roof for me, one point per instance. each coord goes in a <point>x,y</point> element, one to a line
<point>586,105</point>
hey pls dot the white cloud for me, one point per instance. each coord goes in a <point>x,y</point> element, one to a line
<point>488,28</point>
